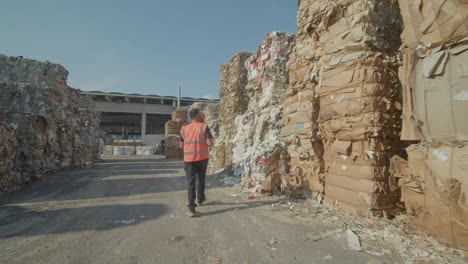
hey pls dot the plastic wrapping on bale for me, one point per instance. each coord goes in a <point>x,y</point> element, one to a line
<point>233,102</point>
<point>56,126</point>
<point>257,149</point>
<point>108,150</point>
<point>124,150</point>
<point>145,150</point>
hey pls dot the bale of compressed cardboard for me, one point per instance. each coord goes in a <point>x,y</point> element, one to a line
<point>434,186</point>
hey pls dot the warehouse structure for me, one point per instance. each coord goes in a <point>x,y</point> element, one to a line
<point>136,116</point>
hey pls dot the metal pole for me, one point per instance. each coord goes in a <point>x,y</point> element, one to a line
<point>178,97</point>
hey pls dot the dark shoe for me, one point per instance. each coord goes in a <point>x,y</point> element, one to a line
<point>192,212</point>
<point>200,202</point>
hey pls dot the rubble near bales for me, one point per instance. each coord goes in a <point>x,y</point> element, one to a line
<point>233,102</point>
<point>434,179</point>
<point>46,124</point>
<point>258,154</point>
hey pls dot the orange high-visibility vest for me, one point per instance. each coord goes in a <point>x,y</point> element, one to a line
<point>195,145</point>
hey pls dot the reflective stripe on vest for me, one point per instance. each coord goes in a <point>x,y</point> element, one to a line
<point>195,144</point>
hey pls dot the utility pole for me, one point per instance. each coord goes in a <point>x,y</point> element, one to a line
<point>178,97</point>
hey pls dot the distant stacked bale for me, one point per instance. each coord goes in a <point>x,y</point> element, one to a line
<point>434,180</point>
<point>55,127</point>
<point>233,102</point>
<point>257,150</point>
<point>179,119</point>
<point>180,115</point>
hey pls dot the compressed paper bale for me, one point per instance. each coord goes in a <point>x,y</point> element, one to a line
<point>180,115</point>
<point>145,150</point>
<point>434,188</point>
<point>173,150</point>
<point>257,149</point>
<point>233,101</point>
<point>173,127</point>
<point>56,126</point>
<point>124,150</point>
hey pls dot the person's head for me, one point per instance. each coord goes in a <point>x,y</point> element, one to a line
<point>197,115</point>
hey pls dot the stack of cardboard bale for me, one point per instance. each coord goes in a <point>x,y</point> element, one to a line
<point>301,105</point>
<point>233,102</point>
<point>53,125</point>
<point>434,179</point>
<point>349,49</point>
<point>257,149</point>
<point>172,132</point>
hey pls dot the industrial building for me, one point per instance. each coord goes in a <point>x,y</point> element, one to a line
<point>136,116</point>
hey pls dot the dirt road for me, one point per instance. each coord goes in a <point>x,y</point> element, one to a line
<point>133,211</point>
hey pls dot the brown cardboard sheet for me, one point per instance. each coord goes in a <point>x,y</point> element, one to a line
<point>433,22</point>
<point>352,184</point>
<point>441,94</point>
<point>364,172</point>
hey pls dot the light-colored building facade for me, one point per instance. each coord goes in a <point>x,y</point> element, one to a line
<point>136,116</point>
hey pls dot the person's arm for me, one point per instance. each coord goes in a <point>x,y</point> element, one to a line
<point>181,141</point>
<point>209,137</point>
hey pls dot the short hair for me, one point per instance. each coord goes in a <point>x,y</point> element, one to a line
<point>194,112</point>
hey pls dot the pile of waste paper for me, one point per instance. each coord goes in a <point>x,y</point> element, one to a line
<point>233,102</point>
<point>257,151</point>
<point>46,125</point>
<point>434,178</point>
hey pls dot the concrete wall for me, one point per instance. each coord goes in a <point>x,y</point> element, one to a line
<point>152,140</point>
<point>134,108</point>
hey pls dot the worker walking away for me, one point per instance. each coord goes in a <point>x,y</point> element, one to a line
<point>195,140</point>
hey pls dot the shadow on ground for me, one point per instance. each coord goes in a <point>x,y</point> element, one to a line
<point>23,222</point>
<point>110,178</point>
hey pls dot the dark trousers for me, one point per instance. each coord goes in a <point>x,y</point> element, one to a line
<point>196,172</point>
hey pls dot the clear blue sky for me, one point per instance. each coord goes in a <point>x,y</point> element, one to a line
<point>147,47</point>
